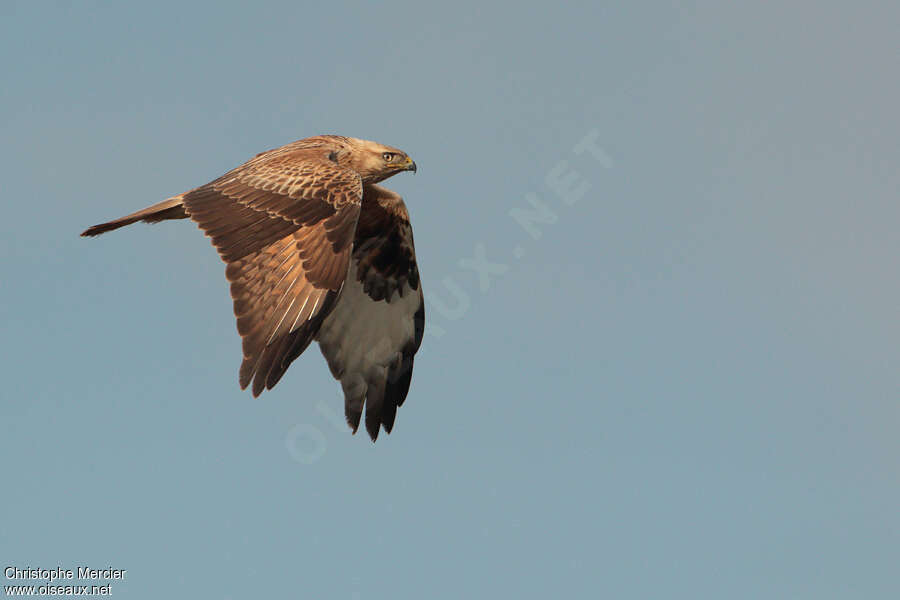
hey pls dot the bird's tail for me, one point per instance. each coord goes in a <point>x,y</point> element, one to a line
<point>172,208</point>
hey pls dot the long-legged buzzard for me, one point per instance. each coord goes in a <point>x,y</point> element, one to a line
<point>316,250</point>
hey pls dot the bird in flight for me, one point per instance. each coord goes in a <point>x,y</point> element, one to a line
<point>316,250</point>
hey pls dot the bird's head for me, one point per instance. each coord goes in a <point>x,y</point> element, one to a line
<point>373,161</point>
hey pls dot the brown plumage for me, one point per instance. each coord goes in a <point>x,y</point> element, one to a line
<point>315,250</point>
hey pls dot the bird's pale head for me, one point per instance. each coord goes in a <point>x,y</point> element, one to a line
<point>373,161</point>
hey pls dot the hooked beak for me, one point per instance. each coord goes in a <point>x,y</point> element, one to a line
<point>410,165</point>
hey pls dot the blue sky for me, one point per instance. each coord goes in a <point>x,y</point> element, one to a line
<point>682,383</point>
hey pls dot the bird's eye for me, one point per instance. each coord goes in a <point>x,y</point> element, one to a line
<point>387,156</point>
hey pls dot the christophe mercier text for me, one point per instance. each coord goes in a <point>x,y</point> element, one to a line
<point>58,575</point>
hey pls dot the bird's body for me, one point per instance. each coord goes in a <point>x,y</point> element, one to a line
<point>316,250</point>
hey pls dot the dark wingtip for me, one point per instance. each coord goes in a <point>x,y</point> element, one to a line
<point>353,417</point>
<point>245,375</point>
<point>373,422</point>
<point>258,386</point>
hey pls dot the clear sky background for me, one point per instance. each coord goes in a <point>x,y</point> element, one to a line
<point>686,387</point>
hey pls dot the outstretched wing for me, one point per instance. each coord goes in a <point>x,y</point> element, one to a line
<point>284,224</point>
<point>376,327</point>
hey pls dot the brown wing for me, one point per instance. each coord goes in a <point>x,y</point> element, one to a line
<point>284,224</point>
<point>374,331</point>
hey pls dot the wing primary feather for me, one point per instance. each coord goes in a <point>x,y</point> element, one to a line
<point>286,311</point>
<point>300,312</point>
